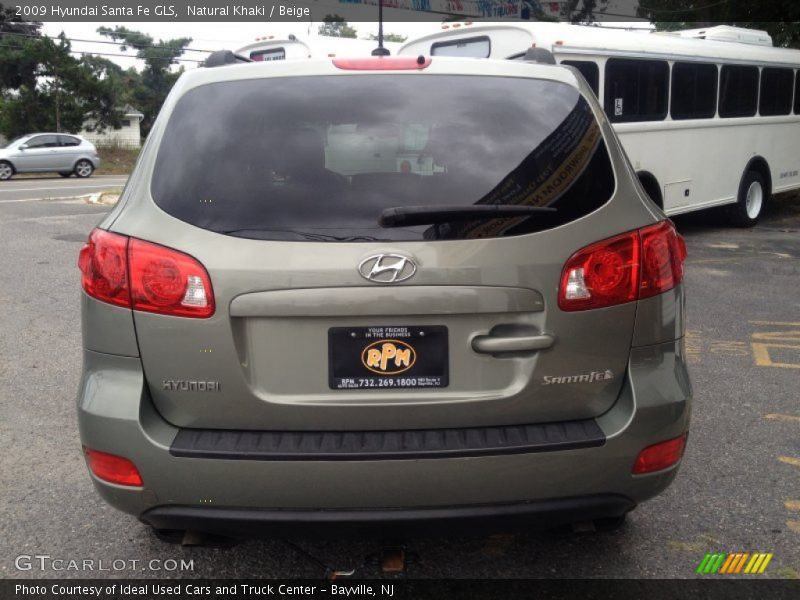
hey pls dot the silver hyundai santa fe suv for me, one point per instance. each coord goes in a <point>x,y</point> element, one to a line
<point>370,294</point>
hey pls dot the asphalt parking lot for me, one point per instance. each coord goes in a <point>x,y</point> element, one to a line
<point>738,489</point>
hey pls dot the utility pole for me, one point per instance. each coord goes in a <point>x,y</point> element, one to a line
<point>58,100</point>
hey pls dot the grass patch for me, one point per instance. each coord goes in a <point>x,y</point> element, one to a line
<point>116,160</point>
<point>787,573</point>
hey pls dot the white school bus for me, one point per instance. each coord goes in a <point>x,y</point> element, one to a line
<point>708,117</point>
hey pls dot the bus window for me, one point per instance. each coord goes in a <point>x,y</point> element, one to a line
<point>738,91</point>
<point>267,55</point>
<point>776,91</point>
<point>797,93</point>
<point>477,47</point>
<point>589,70</point>
<point>694,91</point>
<point>636,90</point>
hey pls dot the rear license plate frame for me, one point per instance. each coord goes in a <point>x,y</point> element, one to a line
<point>351,366</point>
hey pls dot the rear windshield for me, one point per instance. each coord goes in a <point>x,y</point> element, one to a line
<point>320,158</point>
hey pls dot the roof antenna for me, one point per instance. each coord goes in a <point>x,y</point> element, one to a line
<point>380,50</point>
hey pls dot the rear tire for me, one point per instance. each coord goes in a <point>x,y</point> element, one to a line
<point>65,173</point>
<point>753,197</point>
<point>6,170</point>
<point>83,169</point>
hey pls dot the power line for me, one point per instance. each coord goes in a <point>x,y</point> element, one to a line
<point>113,54</point>
<point>51,37</point>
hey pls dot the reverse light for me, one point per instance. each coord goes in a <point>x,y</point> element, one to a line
<point>112,468</point>
<point>144,276</point>
<point>383,63</point>
<point>659,456</point>
<point>635,265</point>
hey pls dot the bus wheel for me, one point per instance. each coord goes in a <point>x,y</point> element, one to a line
<point>751,201</point>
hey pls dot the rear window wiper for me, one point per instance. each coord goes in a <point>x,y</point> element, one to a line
<point>406,216</point>
<point>318,237</point>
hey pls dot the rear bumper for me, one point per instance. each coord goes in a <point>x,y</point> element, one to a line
<point>387,523</point>
<point>117,416</point>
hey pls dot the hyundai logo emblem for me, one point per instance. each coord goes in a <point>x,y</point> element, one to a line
<point>387,268</point>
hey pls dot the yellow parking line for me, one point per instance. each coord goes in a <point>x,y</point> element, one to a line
<point>763,359</point>
<point>794,526</point>
<point>784,418</point>
<point>781,323</point>
<point>790,460</point>
<point>792,504</point>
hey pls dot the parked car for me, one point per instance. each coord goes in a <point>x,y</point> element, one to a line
<point>372,294</point>
<point>42,152</point>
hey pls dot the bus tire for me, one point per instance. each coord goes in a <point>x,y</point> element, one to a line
<point>750,203</point>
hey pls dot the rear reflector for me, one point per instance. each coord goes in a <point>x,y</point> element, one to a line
<point>659,456</point>
<point>635,265</point>
<point>112,468</point>
<point>383,63</point>
<point>144,276</point>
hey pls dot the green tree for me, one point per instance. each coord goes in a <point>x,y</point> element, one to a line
<point>336,26</point>
<point>43,87</point>
<point>583,11</point>
<point>148,91</point>
<point>779,18</point>
<point>11,23</point>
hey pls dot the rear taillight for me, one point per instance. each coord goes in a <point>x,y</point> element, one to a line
<point>112,468</point>
<point>144,276</point>
<point>169,282</point>
<point>659,456</point>
<point>634,265</point>
<point>603,274</point>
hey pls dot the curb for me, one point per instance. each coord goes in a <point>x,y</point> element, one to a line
<point>104,198</point>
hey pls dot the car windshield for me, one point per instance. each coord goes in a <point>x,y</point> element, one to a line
<point>320,158</point>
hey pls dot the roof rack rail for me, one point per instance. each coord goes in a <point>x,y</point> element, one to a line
<point>220,58</point>
<point>539,55</point>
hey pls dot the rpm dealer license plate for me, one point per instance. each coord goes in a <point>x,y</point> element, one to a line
<point>389,357</point>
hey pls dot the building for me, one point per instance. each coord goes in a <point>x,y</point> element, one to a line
<point>128,134</point>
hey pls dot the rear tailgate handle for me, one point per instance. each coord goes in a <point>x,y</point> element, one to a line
<point>492,344</point>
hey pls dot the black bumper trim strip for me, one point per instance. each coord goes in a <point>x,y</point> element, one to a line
<point>384,445</point>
